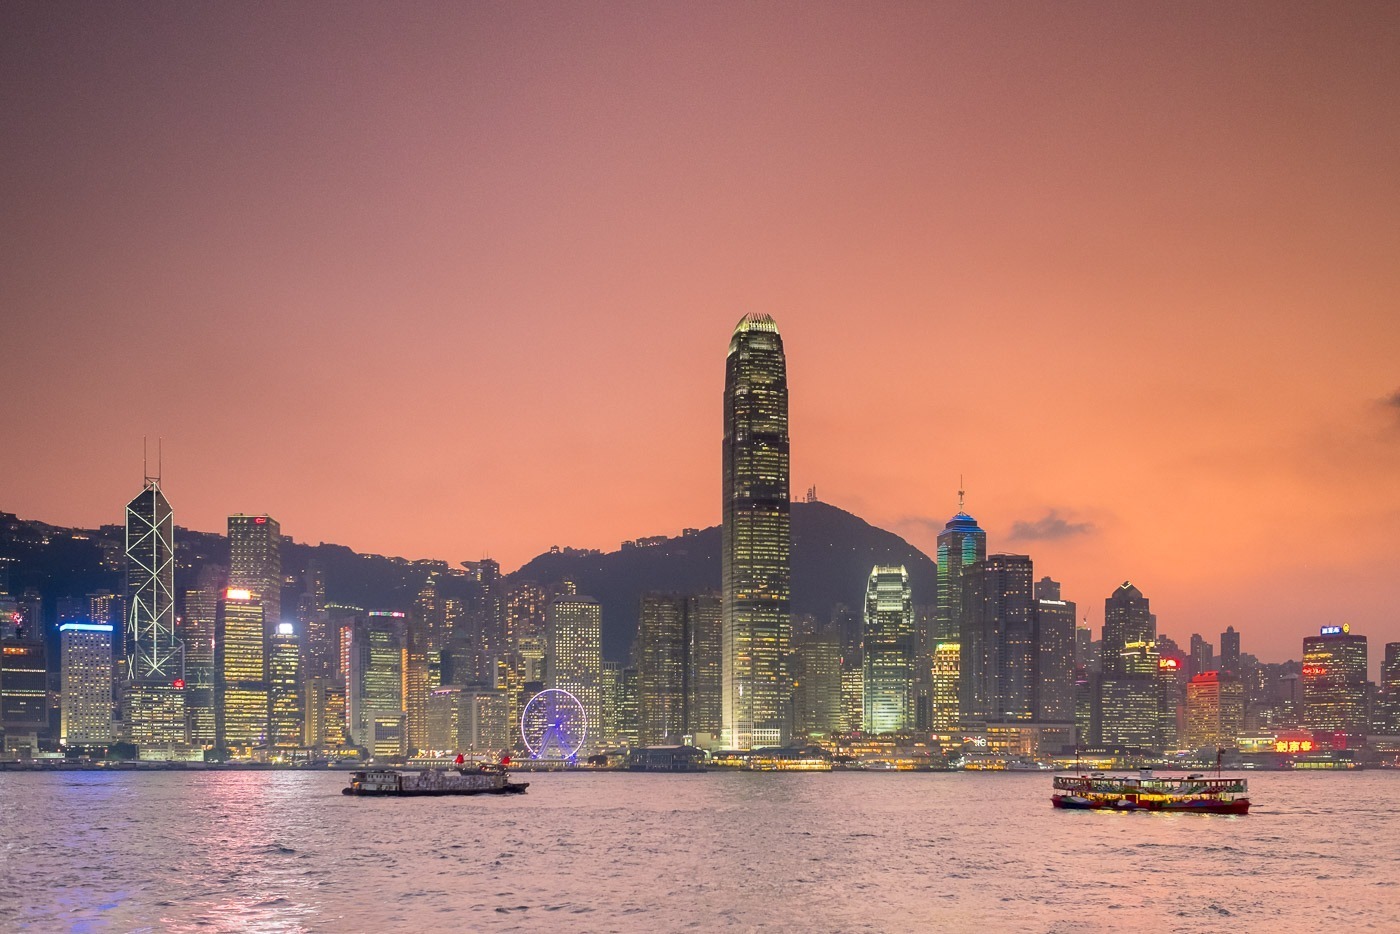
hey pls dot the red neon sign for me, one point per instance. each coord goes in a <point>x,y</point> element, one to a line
<point>259,520</point>
<point>179,684</point>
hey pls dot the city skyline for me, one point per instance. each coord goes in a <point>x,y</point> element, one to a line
<point>1170,285</point>
<point>710,675</point>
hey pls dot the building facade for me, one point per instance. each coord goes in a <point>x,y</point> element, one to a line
<point>1389,700</point>
<point>1214,710</point>
<point>375,656</point>
<point>889,651</point>
<point>85,679</point>
<point>286,720</point>
<point>1127,618</point>
<point>705,701</point>
<point>575,657</point>
<point>961,544</point>
<point>153,695</point>
<point>756,538</point>
<point>1054,638</point>
<point>255,561</point>
<point>198,630</point>
<point>663,662</point>
<point>1334,684</point>
<point>817,711</point>
<point>1230,651</point>
<point>242,704</point>
<point>998,658</point>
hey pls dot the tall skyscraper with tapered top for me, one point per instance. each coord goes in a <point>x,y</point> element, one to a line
<point>153,694</point>
<point>756,554</point>
<point>961,544</point>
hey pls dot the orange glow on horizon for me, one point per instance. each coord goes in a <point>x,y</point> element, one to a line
<point>461,284</point>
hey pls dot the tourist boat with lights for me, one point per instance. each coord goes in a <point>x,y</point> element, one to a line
<point>487,780</point>
<point>1194,794</point>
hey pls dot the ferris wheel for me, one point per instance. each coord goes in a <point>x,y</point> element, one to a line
<point>553,725</point>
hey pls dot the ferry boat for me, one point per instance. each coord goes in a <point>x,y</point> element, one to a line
<point>1146,792</point>
<point>482,781</point>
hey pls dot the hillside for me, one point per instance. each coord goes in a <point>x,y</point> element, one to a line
<point>833,552</point>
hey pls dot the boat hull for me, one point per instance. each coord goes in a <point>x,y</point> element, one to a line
<point>1075,803</point>
<point>510,789</point>
<point>432,783</point>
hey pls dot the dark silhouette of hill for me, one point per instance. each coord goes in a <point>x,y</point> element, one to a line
<point>832,554</point>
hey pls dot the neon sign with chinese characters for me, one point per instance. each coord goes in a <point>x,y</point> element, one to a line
<point>1293,745</point>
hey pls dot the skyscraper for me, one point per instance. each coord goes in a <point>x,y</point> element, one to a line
<point>662,669</point>
<point>961,544</point>
<point>1390,690</point>
<point>1230,650</point>
<point>1334,684</point>
<point>817,686</point>
<point>255,562</point>
<point>575,656</point>
<point>757,537</point>
<point>1127,712</point>
<point>241,658</point>
<point>487,620</point>
<point>1126,618</point>
<point>889,651</point>
<point>705,692</point>
<point>154,691</point>
<point>24,712</point>
<point>86,683</point>
<point>1054,638</point>
<point>1202,655</point>
<point>198,627</point>
<point>285,712</point>
<point>318,654</point>
<point>1214,710</point>
<point>998,663</point>
<point>375,655</point>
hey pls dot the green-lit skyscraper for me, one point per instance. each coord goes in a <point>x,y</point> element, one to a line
<point>756,554</point>
<point>889,651</point>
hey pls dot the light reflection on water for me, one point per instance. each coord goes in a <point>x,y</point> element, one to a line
<point>286,852</point>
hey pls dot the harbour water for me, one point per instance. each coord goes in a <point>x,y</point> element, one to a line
<point>286,852</point>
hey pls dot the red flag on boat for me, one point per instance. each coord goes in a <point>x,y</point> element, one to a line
<point>460,760</point>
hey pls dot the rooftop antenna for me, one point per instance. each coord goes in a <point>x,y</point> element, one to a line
<point>160,457</point>
<point>145,470</point>
<point>961,492</point>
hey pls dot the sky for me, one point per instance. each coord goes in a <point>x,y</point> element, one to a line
<point>455,280</point>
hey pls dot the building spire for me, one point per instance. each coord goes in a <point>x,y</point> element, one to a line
<point>961,492</point>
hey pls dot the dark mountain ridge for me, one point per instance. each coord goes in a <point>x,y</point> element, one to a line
<point>833,552</point>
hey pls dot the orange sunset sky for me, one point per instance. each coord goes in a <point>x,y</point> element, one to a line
<point>453,280</point>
